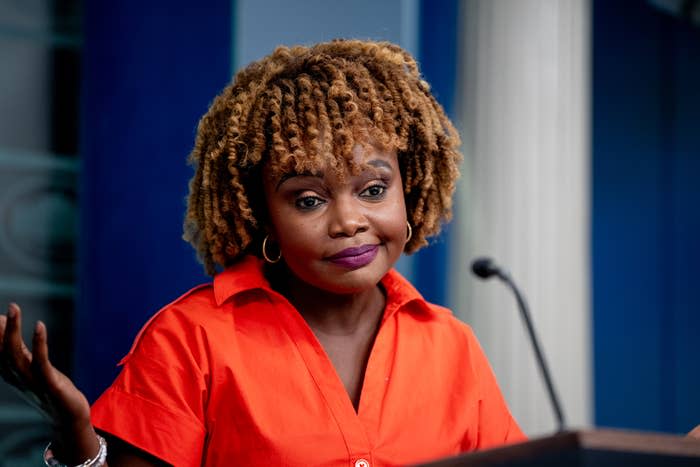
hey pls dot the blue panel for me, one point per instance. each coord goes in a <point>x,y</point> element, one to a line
<point>628,183</point>
<point>150,71</point>
<point>645,220</point>
<point>684,328</point>
<point>438,60</point>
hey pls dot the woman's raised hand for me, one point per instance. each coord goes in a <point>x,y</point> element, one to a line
<point>46,388</point>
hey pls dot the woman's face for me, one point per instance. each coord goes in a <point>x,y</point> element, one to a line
<point>340,236</point>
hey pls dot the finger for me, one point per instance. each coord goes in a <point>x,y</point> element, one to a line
<point>22,347</point>
<point>16,354</point>
<point>42,368</point>
<point>14,331</point>
<point>3,366</point>
<point>3,324</point>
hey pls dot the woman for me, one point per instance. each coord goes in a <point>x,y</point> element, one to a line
<point>314,170</point>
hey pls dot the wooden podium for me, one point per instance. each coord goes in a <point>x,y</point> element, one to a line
<point>600,448</point>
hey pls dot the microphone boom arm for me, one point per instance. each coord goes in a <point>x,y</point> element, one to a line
<point>524,312</point>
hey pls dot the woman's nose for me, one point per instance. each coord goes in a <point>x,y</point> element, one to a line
<point>347,217</point>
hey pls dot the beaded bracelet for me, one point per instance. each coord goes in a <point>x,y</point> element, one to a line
<point>98,461</point>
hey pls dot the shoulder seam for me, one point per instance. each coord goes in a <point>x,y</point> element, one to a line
<point>147,324</point>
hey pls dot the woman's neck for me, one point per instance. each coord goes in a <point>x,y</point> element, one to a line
<point>331,313</point>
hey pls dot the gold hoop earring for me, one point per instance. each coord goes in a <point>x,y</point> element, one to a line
<point>410,232</point>
<point>264,252</point>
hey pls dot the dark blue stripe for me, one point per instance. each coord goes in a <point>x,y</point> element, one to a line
<point>150,70</point>
<point>437,55</point>
<point>667,151</point>
<point>646,66</point>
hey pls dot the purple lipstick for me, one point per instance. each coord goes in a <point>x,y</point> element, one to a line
<point>355,257</point>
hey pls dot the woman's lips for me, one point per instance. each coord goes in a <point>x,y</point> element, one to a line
<point>356,257</point>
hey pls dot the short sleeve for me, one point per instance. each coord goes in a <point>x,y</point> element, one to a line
<point>157,403</point>
<point>496,425</point>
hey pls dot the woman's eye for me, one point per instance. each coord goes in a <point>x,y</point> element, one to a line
<point>374,191</point>
<point>308,202</point>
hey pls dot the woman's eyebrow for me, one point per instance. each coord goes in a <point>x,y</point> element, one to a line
<point>376,163</point>
<point>293,174</point>
<point>380,164</point>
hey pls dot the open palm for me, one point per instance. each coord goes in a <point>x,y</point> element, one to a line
<point>33,375</point>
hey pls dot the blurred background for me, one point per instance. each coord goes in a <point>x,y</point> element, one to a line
<point>582,161</point>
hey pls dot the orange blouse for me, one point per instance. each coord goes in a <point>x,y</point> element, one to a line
<point>231,374</point>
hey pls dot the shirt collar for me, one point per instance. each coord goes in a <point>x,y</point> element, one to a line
<point>400,293</point>
<point>248,275</point>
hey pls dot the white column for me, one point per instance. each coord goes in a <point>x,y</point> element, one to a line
<point>524,196</point>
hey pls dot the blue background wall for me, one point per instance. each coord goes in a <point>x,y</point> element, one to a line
<point>437,55</point>
<point>150,70</point>
<point>646,222</point>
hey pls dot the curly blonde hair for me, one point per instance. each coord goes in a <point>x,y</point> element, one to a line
<point>292,109</point>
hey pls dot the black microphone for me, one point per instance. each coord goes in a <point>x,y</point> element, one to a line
<point>485,268</point>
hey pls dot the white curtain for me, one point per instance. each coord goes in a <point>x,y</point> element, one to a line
<point>523,112</point>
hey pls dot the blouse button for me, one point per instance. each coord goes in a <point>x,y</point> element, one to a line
<point>361,463</point>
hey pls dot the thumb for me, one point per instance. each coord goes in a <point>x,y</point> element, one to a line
<point>695,433</point>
